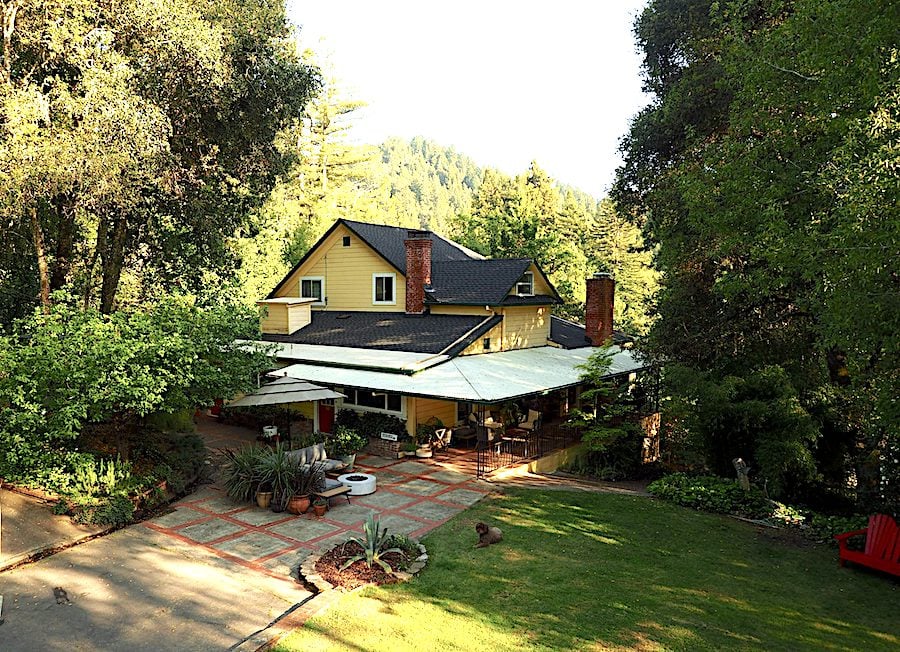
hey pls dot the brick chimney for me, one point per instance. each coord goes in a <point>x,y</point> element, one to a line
<point>598,309</point>
<point>418,270</point>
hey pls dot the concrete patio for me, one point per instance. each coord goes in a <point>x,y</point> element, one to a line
<point>412,498</point>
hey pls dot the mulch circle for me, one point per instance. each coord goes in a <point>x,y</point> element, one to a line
<point>357,574</point>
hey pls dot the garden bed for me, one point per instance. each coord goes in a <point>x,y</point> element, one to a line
<point>323,571</point>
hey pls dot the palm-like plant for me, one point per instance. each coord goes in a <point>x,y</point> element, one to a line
<point>373,546</point>
<point>241,471</point>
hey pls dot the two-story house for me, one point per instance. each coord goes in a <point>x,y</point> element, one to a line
<point>411,324</point>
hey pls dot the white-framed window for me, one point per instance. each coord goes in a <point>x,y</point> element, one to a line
<point>313,287</point>
<point>366,400</point>
<point>384,289</point>
<point>525,286</point>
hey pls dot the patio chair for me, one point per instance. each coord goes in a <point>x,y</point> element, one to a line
<point>441,441</point>
<point>532,421</point>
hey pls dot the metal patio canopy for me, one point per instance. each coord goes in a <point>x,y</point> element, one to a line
<point>487,378</point>
<point>286,390</point>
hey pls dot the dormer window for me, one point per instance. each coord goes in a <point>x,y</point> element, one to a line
<point>525,286</point>
<point>313,287</point>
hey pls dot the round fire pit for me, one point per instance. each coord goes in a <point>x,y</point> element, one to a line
<point>360,484</point>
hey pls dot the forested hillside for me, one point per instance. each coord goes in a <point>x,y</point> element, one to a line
<point>766,174</point>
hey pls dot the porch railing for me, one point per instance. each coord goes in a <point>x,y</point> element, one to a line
<point>519,446</point>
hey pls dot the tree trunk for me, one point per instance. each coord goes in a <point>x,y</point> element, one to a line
<point>65,244</point>
<point>112,258</point>
<point>38,235</point>
<point>9,26</point>
<point>102,230</point>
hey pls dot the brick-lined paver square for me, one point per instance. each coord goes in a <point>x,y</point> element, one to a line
<point>462,497</point>
<point>180,516</point>
<point>384,499</point>
<point>258,516</point>
<point>397,524</point>
<point>421,487</point>
<point>303,528</point>
<point>433,511</point>
<point>220,505</point>
<point>349,514</point>
<point>449,477</point>
<point>413,468</point>
<point>209,531</point>
<point>386,478</point>
<point>374,462</point>
<point>288,563</point>
<point>252,546</point>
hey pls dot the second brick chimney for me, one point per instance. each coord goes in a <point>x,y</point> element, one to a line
<point>418,270</point>
<point>598,309</point>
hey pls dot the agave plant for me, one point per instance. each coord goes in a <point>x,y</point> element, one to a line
<point>373,546</point>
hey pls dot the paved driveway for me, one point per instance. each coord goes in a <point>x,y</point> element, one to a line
<point>209,574</point>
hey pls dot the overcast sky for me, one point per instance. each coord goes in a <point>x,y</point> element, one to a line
<point>503,82</point>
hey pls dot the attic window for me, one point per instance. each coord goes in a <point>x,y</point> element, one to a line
<point>346,241</point>
<point>525,286</point>
<point>312,287</point>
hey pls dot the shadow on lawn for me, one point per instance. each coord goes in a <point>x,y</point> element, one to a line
<point>579,570</point>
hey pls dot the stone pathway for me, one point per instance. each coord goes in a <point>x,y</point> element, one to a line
<point>412,498</point>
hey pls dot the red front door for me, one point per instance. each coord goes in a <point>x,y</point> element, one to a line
<point>326,417</point>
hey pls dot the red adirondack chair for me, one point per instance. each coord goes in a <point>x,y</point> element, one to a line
<point>882,551</point>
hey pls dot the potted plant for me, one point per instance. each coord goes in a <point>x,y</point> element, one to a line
<point>424,434</point>
<point>320,506</point>
<point>408,448</point>
<point>264,495</point>
<point>346,443</point>
<point>307,479</point>
<point>241,474</point>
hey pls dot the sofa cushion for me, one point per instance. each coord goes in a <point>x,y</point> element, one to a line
<point>318,453</point>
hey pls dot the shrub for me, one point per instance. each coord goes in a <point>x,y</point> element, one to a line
<point>346,441</point>
<point>241,472</point>
<point>712,494</point>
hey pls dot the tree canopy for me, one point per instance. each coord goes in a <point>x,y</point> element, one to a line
<point>765,173</point>
<point>135,137</point>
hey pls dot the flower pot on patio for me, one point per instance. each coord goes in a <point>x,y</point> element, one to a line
<point>298,504</point>
<point>320,506</point>
<point>349,461</point>
<point>264,499</point>
<point>423,451</point>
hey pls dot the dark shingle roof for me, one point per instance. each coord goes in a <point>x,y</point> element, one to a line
<point>570,335</point>
<point>389,242</point>
<point>390,331</point>
<point>475,281</point>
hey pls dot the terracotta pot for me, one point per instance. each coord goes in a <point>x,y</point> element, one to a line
<point>320,509</point>
<point>298,504</point>
<point>264,499</point>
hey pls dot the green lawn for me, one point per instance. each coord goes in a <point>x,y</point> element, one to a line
<point>599,571</point>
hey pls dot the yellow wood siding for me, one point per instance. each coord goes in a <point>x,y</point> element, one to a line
<point>461,310</point>
<point>298,317</point>
<point>348,275</point>
<point>525,326</point>
<point>496,335</point>
<point>426,408</point>
<point>274,319</point>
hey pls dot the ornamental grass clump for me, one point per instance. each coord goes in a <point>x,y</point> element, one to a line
<point>374,546</point>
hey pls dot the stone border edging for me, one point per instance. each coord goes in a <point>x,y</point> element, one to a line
<point>308,572</point>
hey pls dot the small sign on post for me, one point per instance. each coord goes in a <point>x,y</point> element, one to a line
<point>389,436</point>
<point>742,473</point>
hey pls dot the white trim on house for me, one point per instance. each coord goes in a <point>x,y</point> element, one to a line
<point>529,285</point>
<point>393,277</point>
